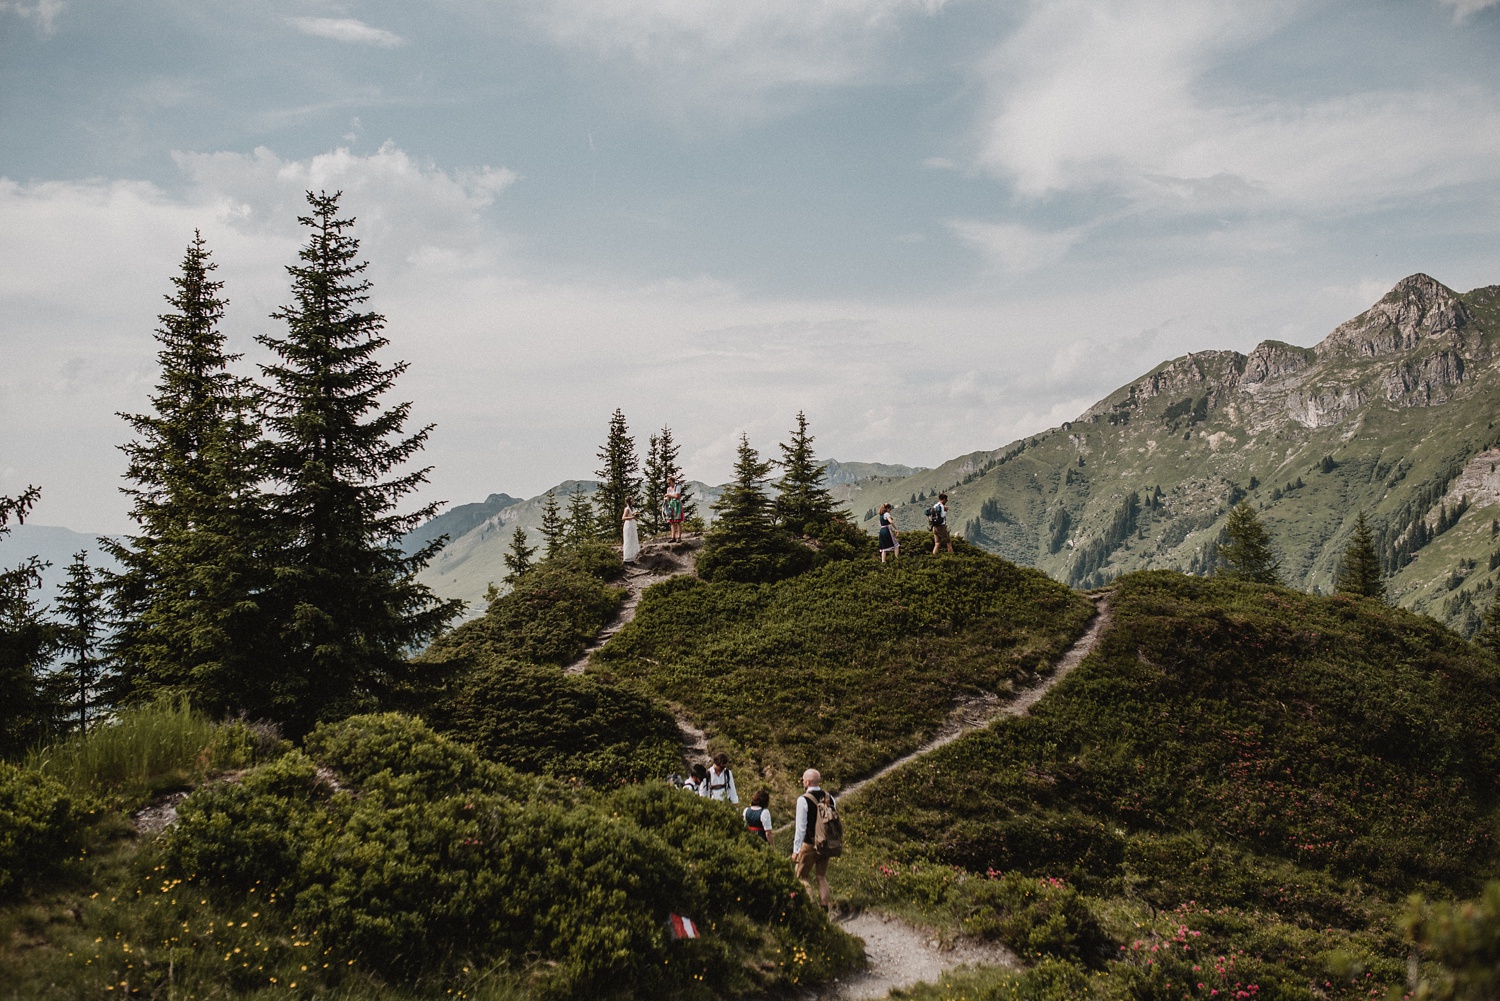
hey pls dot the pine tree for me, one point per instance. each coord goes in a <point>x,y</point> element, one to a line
<point>653,490</point>
<point>582,526</point>
<point>78,681</point>
<point>1489,633</point>
<point>351,602</point>
<point>1360,571</point>
<point>188,595</point>
<point>745,544</point>
<point>1245,554</point>
<point>518,559</point>
<point>802,502</point>
<point>619,478</point>
<point>554,528</point>
<point>26,642</point>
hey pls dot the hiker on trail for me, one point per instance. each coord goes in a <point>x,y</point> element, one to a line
<point>758,815</point>
<point>632,536</point>
<point>672,506</point>
<point>819,836</point>
<point>937,517</point>
<point>890,541</point>
<point>697,780</point>
<point>721,781</point>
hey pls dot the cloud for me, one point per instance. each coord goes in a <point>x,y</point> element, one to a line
<point>1014,249</point>
<point>347,29</point>
<point>1463,9</point>
<point>43,13</point>
<point>1120,96</point>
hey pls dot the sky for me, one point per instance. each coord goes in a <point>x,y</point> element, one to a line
<point>933,225</point>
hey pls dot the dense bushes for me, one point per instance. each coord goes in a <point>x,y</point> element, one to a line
<point>41,826</point>
<point>538,719</point>
<point>431,859</point>
<point>846,666</point>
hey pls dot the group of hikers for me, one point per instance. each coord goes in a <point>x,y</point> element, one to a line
<point>671,505</point>
<point>937,520</point>
<point>817,836</point>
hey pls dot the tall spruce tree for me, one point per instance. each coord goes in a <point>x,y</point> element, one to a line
<point>582,525</point>
<point>619,477</point>
<point>352,607</point>
<point>802,502</point>
<point>662,465</point>
<point>519,558</point>
<point>554,527</point>
<point>1360,571</point>
<point>78,682</point>
<point>1246,554</point>
<point>745,544</point>
<point>26,642</point>
<point>188,598</point>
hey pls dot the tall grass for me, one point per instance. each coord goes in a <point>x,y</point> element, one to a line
<point>146,750</point>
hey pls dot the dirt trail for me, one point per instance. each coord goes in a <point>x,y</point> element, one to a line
<point>980,711</point>
<point>658,561</point>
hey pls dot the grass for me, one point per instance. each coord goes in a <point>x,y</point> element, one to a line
<point>846,667</point>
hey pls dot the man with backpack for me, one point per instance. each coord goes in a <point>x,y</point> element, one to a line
<point>937,518</point>
<point>819,836</point>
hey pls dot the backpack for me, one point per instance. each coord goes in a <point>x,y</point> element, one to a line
<point>828,830</point>
<point>936,515</point>
<point>753,818</point>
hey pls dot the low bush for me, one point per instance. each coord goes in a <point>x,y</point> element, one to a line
<point>41,826</point>
<point>538,719</point>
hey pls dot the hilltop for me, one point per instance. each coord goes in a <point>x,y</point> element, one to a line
<point>1393,413</point>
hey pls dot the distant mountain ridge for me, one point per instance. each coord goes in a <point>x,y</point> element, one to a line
<point>1392,413</point>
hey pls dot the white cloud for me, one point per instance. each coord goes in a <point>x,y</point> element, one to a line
<point>1114,95</point>
<point>347,29</point>
<point>1015,249</point>
<point>43,13</point>
<point>1463,9</point>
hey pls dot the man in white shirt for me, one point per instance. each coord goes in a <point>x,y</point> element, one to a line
<point>721,781</point>
<point>809,861</point>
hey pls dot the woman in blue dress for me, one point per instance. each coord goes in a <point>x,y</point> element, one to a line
<point>890,541</point>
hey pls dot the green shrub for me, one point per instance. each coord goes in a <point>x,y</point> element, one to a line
<point>41,826</point>
<point>537,719</point>
<point>761,558</point>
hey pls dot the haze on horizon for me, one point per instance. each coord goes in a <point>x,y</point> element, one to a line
<point>935,225</point>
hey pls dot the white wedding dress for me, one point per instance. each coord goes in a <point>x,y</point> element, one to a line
<point>632,541</point>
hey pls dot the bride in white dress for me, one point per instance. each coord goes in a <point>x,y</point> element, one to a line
<point>632,538</point>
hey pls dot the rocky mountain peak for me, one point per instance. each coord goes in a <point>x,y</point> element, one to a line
<point>1420,308</point>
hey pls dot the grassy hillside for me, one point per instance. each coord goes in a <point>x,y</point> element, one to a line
<point>1240,775</point>
<point>845,667</point>
<point>1393,413</point>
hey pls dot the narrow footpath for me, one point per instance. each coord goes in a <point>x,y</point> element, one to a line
<point>657,562</point>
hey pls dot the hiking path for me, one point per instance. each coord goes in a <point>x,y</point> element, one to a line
<point>658,561</point>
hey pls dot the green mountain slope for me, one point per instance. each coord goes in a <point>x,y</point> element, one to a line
<point>1393,413</point>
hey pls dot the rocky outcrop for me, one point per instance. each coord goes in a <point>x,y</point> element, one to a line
<point>1418,309</point>
<point>1423,382</point>
<point>1272,360</point>
<point>1480,480</point>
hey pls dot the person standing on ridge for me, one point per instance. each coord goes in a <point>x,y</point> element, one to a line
<point>890,542</point>
<point>937,517</point>
<point>672,506</point>
<point>632,546</point>
<point>721,781</point>
<point>819,836</point>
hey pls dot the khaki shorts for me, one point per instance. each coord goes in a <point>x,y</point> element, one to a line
<point>941,533</point>
<point>810,863</point>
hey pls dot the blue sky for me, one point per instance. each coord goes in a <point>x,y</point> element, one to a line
<point>936,226</point>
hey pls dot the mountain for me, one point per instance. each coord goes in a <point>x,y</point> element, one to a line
<point>1393,414</point>
<point>55,545</point>
<point>457,521</point>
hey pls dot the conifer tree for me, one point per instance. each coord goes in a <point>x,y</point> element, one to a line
<point>554,528</point>
<point>518,559</point>
<point>619,477</point>
<point>188,596</point>
<point>662,465</point>
<point>1360,571</point>
<point>350,603</point>
<point>1489,632</point>
<point>1245,554</point>
<point>582,526</point>
<point>802,502</point>
<point>77,683</point>
<point>26,642</point>
<point>745,544</point>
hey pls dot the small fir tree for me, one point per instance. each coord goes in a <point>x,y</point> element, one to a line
<point>802,503</point>
<point>619,477</point>
<point>1489,632</point>
<point>554,527</point>
<point>1360,572</point>
<point>77,683</point>
<point>26,642</point>
<point>187,598</point>
<point>1245,554</point>
<point>745,544</point>
<point>518,559</point>
<point>349,601</point>
<point>582,526</point>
